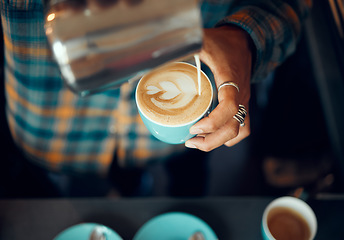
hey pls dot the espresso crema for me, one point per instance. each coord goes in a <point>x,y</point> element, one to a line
<point>169,95</point>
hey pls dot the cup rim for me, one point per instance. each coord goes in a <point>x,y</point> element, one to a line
<point>187,123</point>
<point>312,222</point>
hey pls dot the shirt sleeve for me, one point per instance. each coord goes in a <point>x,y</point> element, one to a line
<point>274,27</point>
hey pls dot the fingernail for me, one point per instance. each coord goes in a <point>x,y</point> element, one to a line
<point>196,131</point>
<point>189,145</point>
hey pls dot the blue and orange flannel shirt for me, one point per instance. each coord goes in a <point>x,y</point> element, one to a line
<point>64,132</point>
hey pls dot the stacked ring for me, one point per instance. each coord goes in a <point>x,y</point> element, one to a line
<point>240,116</point>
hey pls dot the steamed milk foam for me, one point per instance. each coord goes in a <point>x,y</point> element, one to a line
<point>169,95</point>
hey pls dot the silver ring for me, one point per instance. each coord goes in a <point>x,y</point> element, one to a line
<point>228,84</point>
<point>241,114</point>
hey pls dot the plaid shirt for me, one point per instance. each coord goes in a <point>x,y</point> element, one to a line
<point>65,132</point>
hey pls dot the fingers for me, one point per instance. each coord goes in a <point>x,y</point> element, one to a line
<point>244,132</point>
<point>220,115</point>
<point>229,134</point>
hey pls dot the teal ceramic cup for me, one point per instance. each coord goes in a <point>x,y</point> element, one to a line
<point>298,207</point>
<point>83,231</point>
<point>173,134</point>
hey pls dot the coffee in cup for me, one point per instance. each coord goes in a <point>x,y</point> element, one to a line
<point>288,218</point>
<point>168,100</point>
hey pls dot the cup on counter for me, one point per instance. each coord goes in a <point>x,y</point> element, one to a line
<point>169,101</point>
<point>288,218</point>
<point>87,231</point>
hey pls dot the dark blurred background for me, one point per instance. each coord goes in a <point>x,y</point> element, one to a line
<point>297,122</point>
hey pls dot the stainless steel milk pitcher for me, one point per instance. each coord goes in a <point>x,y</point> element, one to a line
<point>100,44</point>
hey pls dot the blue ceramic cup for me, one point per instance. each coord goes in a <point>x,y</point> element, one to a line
<point>83,231</point>
<point>173,134</point>
<point>284,216</point>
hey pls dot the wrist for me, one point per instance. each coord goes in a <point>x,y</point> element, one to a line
<point>241,36</point>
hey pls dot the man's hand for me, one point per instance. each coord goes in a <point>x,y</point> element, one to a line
<point>227,52</point>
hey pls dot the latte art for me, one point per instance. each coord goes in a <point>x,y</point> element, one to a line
<point>169,95</point>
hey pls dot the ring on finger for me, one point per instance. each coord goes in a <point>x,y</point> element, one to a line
<point>228,84</point>
<point>240,115</point>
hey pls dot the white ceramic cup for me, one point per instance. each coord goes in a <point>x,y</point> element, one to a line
<point>294,204</point>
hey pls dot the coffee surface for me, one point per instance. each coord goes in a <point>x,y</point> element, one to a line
<point>285,223</point>
<point>169,95</point>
